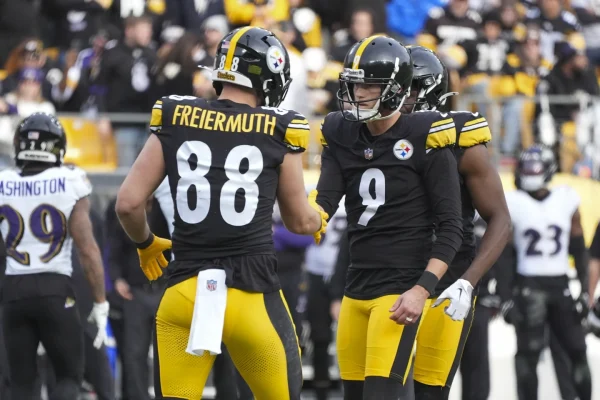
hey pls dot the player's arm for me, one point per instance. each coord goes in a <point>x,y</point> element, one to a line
<point>579,252</point>
<point>485,187</point>
<point>81,230</point>
<point>331,186</point>
<point>296,213</point>
<point>594,276</point>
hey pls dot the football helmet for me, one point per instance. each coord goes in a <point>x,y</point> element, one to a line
<point>40,138</point>
<point>376,60</point>
<point>535,168</point>
<point>253,58</point>
<point>430,80</point>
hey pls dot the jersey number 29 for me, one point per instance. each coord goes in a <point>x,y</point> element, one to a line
<point>195,177</point>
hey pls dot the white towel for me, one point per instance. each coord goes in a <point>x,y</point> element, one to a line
<point>209,313</point>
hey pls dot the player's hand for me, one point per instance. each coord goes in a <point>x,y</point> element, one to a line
<point>152,259</point>
<point>581,306</point>
<point>510,313</point>
<point>99,317</point>
<point>312,200</point>
<point>334,309</point>
<point>123,289</point>
<point>460,296</point>
<point>409,306</point>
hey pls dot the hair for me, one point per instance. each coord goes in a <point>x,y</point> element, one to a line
<point>181,53</point>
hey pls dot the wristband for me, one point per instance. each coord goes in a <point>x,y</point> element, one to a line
<point>146,242</point>
<point>428,281</point>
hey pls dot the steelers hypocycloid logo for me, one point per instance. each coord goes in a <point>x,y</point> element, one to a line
<point>275,59</point>
<point>403,149</point>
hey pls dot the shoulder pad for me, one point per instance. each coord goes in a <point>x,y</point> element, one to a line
<point>436,13</point>
<point>513,60</point>
<point>156,116</point>
<point>474,16</point>
<point>78,178</point>
<point>442,130</point>
<point>297,132</point>
<point>473,129</point>
<point>569,18</point>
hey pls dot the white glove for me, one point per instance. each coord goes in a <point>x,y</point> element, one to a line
<point>99,316</point>
<point>459,294</point>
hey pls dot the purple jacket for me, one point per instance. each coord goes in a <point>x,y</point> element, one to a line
<point>284,239</point>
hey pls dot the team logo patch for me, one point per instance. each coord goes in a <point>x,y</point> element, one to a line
<point>403,149</point>
<point>275,59</point>
<point>211,285</point>
<point>369,154</point>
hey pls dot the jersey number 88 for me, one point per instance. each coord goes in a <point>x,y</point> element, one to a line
<point>236,180</point>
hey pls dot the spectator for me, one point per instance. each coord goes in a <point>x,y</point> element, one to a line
<point>175,71</point>
<point>169,36</point>
<point>555,25</point>
<point>298,91</point>
<point>406,18</point>
<point>322,81</point>
<point>307,23</point>
<point>29,54</point>
<point>256,12</point>
<point>119,11</point>
<point>18,21</point>
<point>513,30</point>
<point>588,14</point>
<point>361,26</point>
<point>215,28</point>
<point>191,15</point>
<point>124,83</point>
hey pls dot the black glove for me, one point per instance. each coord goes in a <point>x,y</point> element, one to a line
<point>510,313</point>
<point>581,306</point>
<point>492,302</point>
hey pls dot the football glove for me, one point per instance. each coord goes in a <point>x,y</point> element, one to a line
<point>99,317</point>
<point>312,200</point>
<point>581,306</point>
<point>460,296</point>
<point>593,319</point>
<point>152,259</point>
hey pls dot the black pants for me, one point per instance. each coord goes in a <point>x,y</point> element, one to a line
<point>56,324</point>
<point>4,374</point>
<point>319,318</point>
<point>562,368</point>
<point>475,362</point>
<point>138,325</point>
<point>545,302</point>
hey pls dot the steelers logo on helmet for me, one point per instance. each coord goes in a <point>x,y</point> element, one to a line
<point>275,59</point>
<point>403,149</point>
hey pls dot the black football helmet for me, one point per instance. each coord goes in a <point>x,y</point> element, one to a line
<point>40,138</point>
<point>535,168</point>
<point>253,58</point>
<point>376,60</point>
<point>430,80</point>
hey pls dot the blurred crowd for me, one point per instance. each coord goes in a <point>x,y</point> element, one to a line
<point>92,57</point>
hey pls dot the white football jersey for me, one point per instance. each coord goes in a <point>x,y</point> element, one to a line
<point>542,230</point>
<point>34,216</point>
<point>320,259</point>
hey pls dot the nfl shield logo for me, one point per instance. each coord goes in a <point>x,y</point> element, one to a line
<point>211,285</point>
<point>368,154</point>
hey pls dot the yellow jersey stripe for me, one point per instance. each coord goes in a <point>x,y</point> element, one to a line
<point>440,139</point>
<point>158,102</point>
<point>299,121</point>
<point>156,119</point>
<point>361,49</point>
<point>475,137</point>
<point>442,122</point>
<point>475,121</point>
<point>232,45</point>
<point>297,137</point>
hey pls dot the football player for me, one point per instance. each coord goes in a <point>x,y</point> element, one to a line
<point>445,328</point>
<point>44,209</point>
<point>227,161</point>
<point>399,175</point>
<point>546,229</point>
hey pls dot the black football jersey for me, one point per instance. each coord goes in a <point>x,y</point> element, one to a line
<point>222,160</point>
<point>552,30</point>
<point>396,185</point>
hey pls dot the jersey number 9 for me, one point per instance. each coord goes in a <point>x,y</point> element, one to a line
<point>53,234</point>
<point>194,178</point>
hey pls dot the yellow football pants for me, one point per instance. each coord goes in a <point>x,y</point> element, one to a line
<point>440,344</point>
<point>369,343</point>
<point>259,335</point>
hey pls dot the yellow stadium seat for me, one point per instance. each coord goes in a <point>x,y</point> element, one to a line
<point>86,148</point>
<point>3,74</point>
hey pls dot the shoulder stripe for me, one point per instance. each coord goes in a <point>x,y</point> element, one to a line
<point>475,136</point>
<point>299,126</point>
<point>296,139</point>
<point>441,138</point>
<point>472,127</point>
<point>442,127</point>
<point>299,121</point>
<point>156,117</point>
<point>442,122</point>
<point>232,46</point>
<point>475,121</point>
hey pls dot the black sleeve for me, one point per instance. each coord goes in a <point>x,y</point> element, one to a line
<point>331,186</point>
<point>580,256</point>
<point>595,247</point>
<point>338,280</point>
<point>443,188</point>
<point>505,271</point>
<point>116,239</point>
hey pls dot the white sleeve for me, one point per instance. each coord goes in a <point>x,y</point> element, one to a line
<point>82,187</point>
<point>572,199</point>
